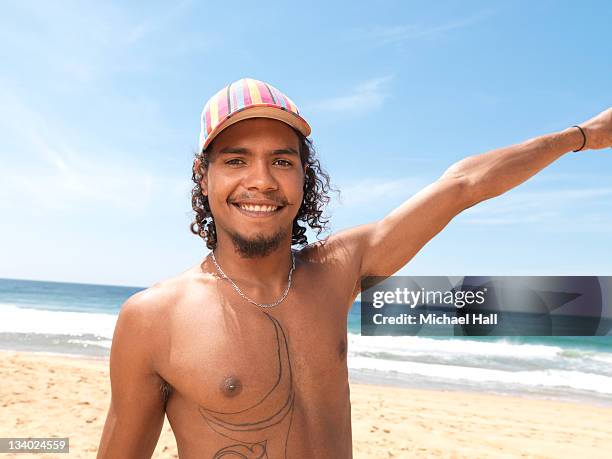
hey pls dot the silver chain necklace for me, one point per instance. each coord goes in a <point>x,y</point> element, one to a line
<point>239,292</point>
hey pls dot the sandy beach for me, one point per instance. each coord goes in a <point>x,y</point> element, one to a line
<point>49,395</point>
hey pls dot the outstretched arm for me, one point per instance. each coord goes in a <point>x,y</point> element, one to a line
<point>492,174</point>
<point>381,248</point>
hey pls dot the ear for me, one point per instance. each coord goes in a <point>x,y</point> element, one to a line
<point>204,176</point>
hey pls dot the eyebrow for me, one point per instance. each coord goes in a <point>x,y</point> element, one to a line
<point>246,151</point>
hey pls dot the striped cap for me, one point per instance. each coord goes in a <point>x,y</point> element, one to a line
<point>247,98</point>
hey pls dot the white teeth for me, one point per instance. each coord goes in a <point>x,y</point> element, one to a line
<point>257,208</point>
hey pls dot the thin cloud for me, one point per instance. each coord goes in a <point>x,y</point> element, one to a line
<point>110,41</point>
<point>75,183</point>
<point>553,210</point>
<point>365,96</point>
<point>557,208</point>
<point>386,35</point>
<point>373,191</point>
<point>44,172</point>
<point>154,23</point>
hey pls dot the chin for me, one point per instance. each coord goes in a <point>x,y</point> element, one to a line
<point>258,244</point>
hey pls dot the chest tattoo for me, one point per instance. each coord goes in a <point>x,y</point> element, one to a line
<point>252,429</point>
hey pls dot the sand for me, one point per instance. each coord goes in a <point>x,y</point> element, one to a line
<point>45,395</point>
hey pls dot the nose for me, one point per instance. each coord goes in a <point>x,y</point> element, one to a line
<point>260,177</point>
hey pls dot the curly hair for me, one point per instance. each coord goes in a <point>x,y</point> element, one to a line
<point>316,197</point>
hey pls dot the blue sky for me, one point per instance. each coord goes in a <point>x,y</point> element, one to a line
<point>100,117</point>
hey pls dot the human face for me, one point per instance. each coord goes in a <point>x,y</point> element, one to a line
<point>254,183</point>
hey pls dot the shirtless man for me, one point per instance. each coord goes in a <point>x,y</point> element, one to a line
<point>246,352</point>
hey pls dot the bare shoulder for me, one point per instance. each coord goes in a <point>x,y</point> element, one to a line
<point>338,249</point>
<point>338,257</point>
<point>148,310</point>
<point>158,299</point>
<point>149,304</point>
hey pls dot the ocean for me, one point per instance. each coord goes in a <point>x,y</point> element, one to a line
<point>79,319</point>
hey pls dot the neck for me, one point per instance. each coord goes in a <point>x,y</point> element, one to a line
<point>261,274</point>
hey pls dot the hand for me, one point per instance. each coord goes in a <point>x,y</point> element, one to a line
<point>598,131</point>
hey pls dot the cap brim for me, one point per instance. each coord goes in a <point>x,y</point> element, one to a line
<point>261,111</point>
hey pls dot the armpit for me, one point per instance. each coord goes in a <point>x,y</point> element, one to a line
<point>166,392</point>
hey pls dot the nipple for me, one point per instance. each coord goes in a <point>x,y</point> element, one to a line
<point>231,386</point>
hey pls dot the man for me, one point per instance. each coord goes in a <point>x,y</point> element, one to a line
<point>246,352</point>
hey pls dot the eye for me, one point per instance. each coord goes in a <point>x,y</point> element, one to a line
<point>283,163</point>
<point>234,162</point>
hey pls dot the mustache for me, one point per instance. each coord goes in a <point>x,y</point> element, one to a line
<point>278,199</point>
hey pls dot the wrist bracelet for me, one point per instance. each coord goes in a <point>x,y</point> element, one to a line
<point>583,138</point>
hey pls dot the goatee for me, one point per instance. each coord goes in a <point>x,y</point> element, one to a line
<point>257,246</point>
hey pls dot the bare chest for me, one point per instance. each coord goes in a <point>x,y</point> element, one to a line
<point>249,380</point>
<point>237,357</point>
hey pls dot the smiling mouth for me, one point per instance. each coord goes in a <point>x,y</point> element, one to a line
<point>258,210</point>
